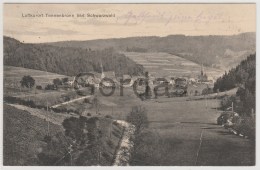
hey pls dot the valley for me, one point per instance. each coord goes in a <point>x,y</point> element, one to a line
<point>181,129</point>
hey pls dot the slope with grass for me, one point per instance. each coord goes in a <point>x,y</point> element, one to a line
<point>24,136</point>
<point>26,141</point>
<point>162,64</point>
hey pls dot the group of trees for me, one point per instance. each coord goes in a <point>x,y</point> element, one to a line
<point>243,75</point>
<point>142,138</point>
<point>57,81</point>
<point>84,136</point>
<point>138,117</point>
<point>67,60</point>
<point>29,82</point>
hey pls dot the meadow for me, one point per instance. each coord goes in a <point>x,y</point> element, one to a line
<point>175,130</point>
<point>15,74</point>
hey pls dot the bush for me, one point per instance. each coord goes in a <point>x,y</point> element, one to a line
<point>226,102</point>
<point>243,125</point>
<point>65,80</point>
<point>27,81</point>
<point>207,91</point>
<point>86,100</point>
<point>66,98</point>
<point>228,117</point>
<point>138,117</point>
<point>50,87</point>
<point>109,117</point>
<point>39,87</point>
<point>246,127</point>
<point>57,82</point>
<point>222,119</point>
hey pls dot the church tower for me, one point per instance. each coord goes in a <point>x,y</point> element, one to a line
<point>102,71</point>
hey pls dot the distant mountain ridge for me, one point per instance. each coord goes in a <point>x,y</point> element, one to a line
<point>209,50</point>
<point>68,57</point>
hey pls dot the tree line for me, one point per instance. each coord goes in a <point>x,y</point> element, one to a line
<point>241,76</point>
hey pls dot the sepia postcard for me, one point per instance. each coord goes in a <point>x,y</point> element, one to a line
<point>135,84</point>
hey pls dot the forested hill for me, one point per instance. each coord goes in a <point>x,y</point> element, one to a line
<point>217,50</point>
<point>244,76</point>
<point>66,60</point>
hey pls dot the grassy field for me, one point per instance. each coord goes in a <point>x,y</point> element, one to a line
<point>163,64</point>
<point>15,74</point>
<point>116,106</point>
<point>176,127</point>
<point>180,124</point>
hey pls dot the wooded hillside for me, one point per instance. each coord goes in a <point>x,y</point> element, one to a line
<point>66,60</point>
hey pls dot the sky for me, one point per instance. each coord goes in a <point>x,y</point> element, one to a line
<point>125,20</point>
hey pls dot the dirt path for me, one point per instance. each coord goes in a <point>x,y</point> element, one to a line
<point>37,94</point>
<point>123,154</point>
<point>55,118</point>
<point>214,95</point>
<point>71,101</point>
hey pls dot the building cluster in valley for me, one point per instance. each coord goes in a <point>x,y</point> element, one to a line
<point>188,86</point>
